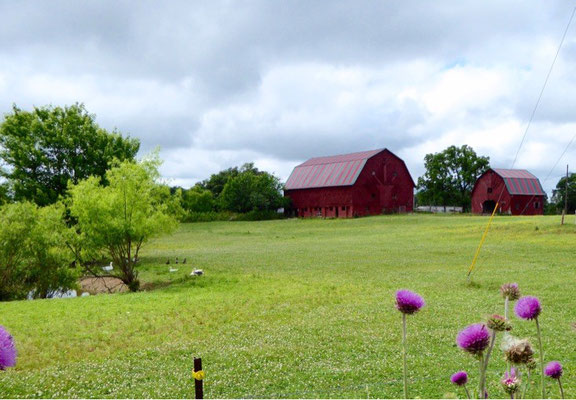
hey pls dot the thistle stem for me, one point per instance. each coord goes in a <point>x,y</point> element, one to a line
<point>492,341</point>
<point>541,358</point>
<point>404,355</point>
<point>467,392</point>
<point>506,303</point>
<point>527,384</point>
<point>561,390</point>
<point>482,372</point>
<point>487,358</point>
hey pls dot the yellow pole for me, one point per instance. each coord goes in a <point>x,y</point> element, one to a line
<point>482,241</point>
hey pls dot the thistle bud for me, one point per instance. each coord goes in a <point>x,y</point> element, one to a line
<point>498,323</point>
<point>510,290</point>
<point>511,382</point>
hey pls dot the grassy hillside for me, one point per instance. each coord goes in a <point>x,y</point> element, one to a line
<point>300,308</point>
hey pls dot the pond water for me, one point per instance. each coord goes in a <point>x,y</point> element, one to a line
<point>59,294</point>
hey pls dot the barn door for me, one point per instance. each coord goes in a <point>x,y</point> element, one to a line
<point>488,206</point>
<point>386,197</point>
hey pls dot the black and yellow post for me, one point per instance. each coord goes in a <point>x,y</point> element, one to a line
<point>198,375</point>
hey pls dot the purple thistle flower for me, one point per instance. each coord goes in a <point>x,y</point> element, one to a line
<point>408,302</point>
<point>7,349</point>
<point>553,370</point>
<point>460,378</point>
<point>474,338</point>
<point>528,307</point>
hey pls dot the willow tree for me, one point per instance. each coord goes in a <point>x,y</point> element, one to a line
<point>33,257</point>
<point>119,218</point>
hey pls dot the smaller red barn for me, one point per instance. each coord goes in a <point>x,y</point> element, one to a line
<point>519,191</point>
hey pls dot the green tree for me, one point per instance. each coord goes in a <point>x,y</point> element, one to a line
<point>4,196</point>
<point>559,194</point>
<point>33,255</point>
<point>197,199</point>
<point>450,177</point>
<point>49,266</point>
<point>216,182</point>
<point>49,146</point>
<point>120,217</point>
<point>249,191</point>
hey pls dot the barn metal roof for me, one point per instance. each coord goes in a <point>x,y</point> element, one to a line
<point>520,181</point>
<point>341,170</point>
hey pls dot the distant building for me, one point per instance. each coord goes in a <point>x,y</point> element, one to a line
<point>521,192</point>
<point>356,184</point>
<point>439,209</point>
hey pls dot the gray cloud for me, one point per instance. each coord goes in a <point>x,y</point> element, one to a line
<point>221,82</point>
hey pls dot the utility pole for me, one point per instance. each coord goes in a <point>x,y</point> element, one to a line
<point>565,210</point>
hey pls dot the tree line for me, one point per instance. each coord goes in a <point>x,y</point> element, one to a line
<point>241,190</point>
<point>44,150</point>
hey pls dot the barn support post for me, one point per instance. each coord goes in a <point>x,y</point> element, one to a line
<point>565,210</point>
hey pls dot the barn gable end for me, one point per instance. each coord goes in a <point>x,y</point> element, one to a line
<point>364,183</point>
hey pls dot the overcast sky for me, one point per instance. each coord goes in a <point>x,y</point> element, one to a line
<point>216,83</point>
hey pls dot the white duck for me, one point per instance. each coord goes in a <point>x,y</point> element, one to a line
<point>108,268</point>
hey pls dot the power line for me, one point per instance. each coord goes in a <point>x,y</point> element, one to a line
<point>473,264</point>
<point>551,170</point>
<point>543,87</point>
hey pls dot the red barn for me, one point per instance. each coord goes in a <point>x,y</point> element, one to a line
<point>365,183</point>
<point>521,191</point>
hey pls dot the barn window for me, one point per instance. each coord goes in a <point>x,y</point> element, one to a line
<point>536,205</point>
<point>331,208</point>
<point>489,190</point>
<point>343,207</point>
<point>517,206</point>
<point>373,195</point>
<point>394,174</point>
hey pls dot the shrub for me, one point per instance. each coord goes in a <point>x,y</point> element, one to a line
<point>230,216</point>
<point>33,255</point>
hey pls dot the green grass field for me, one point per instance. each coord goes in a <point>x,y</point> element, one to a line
<point>301,308</point>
